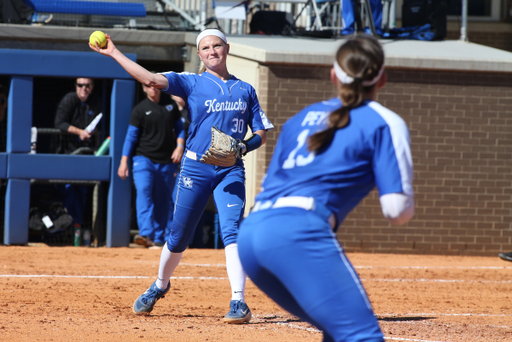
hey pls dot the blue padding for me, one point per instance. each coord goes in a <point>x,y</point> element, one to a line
<point>3,165</point>
<point>89,7</point>
<point>58,166</point>
<point>17,207</point>
<point>61,64</point>
<point>119,194</point>
<point>19,114</point>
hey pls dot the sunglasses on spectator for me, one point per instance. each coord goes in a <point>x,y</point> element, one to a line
<point>80,85</point>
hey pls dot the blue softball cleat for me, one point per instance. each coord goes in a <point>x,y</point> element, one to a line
<point>146,301</point>
<point>239,313</point>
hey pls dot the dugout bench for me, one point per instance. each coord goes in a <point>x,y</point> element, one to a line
<point>18,166</point>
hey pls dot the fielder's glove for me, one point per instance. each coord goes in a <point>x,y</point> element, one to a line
<point>224,150</point>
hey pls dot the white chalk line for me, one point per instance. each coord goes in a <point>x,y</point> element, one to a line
<point>295,326</point>
<point>203,265</point>
<point>433,314</point>
<point>409,339</point>
<point>101,277</point>
<point>442,281</point>
<point>451,267</point>
<point>434,323</point>
<point>374,267</point>
<point>224,278</point>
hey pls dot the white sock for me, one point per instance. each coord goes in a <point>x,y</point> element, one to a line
<point>168,263</point>
<point>236,273</point>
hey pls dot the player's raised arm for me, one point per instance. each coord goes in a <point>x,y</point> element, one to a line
<point>135,70</point>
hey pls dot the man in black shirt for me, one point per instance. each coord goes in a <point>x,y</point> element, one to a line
<point>155,141</point>
<point>75,112</point>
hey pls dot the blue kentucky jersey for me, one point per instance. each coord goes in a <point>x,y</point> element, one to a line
<point>372,150</point>
<point>231,106</point>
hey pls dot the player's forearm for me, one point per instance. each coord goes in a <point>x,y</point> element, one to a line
<point>180,142</point>
<point>74,130</point>
<point>254,142</point>
<point>179,129</point>
<point>263,135</point>
<point>398,208</point>
<point>124,161</point>
<point>132,135</point>
<point>138,72</point>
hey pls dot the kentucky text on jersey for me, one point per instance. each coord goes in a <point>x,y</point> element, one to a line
<point>214,106</point>
<point>231,106</point>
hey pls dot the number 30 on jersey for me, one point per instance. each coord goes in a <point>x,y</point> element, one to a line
<point>238,126</point>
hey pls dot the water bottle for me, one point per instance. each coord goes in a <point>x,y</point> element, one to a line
<point>33,140</point>
<point>78,236</point>
<point>103,148</point>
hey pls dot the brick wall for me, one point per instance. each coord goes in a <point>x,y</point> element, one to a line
<point>461,132</point>
<point>497,40</point>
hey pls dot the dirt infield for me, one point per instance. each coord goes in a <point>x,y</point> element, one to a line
<point>86,294</point>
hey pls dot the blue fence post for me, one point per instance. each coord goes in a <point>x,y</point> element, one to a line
<point>119,195</point>
<point>19,125</point>
<point>17,196</point>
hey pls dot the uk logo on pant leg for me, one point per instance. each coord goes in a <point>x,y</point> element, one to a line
<point>187,182</point>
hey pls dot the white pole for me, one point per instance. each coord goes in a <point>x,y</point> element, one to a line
<point>464,26</point>
<point>392,15</point>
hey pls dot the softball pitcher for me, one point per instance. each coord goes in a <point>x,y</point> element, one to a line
<point>328,158</point>
<point>214,98</point>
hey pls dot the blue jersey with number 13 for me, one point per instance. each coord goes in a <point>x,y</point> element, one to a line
<point>372,150</point>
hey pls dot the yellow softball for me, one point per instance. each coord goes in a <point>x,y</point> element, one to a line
<point>98,37</point>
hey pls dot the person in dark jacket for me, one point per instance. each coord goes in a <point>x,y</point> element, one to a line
<point>75,112</point>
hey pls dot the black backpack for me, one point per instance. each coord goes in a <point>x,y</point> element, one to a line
<point>58,218</point>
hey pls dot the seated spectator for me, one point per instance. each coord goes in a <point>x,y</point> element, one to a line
<point>18,12</point>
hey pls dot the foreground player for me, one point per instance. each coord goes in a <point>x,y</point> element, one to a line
<point>214,98</point>
<point>328,158</point>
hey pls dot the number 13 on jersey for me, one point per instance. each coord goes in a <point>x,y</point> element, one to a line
<point>293,159</point>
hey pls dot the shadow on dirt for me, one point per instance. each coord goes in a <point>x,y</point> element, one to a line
<point>404,319</point>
